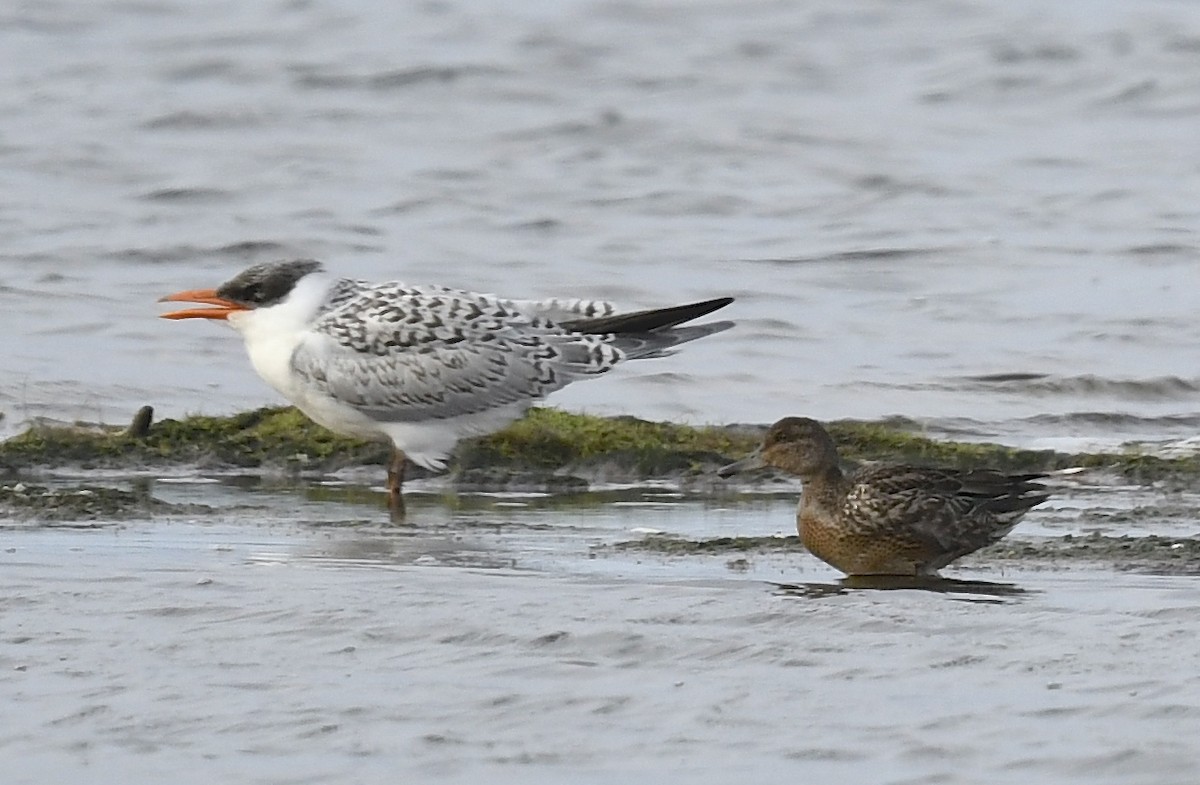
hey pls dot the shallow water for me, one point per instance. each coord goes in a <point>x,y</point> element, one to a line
<point>977,215</point>
<point>289,637</point>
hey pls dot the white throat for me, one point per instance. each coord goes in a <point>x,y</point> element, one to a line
<point>272,333</point>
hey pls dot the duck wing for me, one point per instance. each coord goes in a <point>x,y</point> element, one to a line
<point>948,512</point>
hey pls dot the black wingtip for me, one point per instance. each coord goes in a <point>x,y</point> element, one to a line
<point>647,321</point>
<point>686,313</point>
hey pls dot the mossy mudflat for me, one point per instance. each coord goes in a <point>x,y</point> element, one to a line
<point>883,441</point>
<point>546,441</point>
<point>250,439</point>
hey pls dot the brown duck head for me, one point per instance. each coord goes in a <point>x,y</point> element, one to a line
<point>797,445</point>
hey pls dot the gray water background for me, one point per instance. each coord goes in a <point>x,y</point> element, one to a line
<point>981,216</point>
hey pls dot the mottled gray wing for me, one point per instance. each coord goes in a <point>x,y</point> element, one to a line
<point>400,353</point>
<point>563,310</point>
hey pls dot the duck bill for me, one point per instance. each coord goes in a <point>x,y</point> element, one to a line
<point>220,307</point>
<point>750,463</point>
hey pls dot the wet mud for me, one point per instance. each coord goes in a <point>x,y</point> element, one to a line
<point>1150,553</point>
<point>560,455</point>
<point>37,504</point>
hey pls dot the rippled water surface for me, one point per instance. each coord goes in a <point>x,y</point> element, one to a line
<point>981,216</point>
<point>285,640</point>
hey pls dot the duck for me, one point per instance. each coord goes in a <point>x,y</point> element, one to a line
<point>889,519</point>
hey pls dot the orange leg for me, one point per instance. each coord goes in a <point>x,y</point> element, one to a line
<point>395,483</point>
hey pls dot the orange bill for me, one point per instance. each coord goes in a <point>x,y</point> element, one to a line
<point>220,310</point>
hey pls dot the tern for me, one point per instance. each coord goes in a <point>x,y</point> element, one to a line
<point>423,366</point>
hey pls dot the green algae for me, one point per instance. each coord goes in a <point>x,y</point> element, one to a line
<point>883,441</point>
<point>868,441</point>
<point>546,443</point>
<point>279,436</point>
<point>543,441</point>
<point>550,438</point>
<point>876,441</point>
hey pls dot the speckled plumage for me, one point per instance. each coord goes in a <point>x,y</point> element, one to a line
<point>426,365</point>
<point>410,353</point>
<point>889,519</point>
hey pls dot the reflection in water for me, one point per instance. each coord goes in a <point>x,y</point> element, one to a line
<point>984,589</point>
<point>456,500</point>
<point>449,506</point>
<point>403,551</point>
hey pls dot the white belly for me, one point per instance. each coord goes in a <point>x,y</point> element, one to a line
<point>272,335</point>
